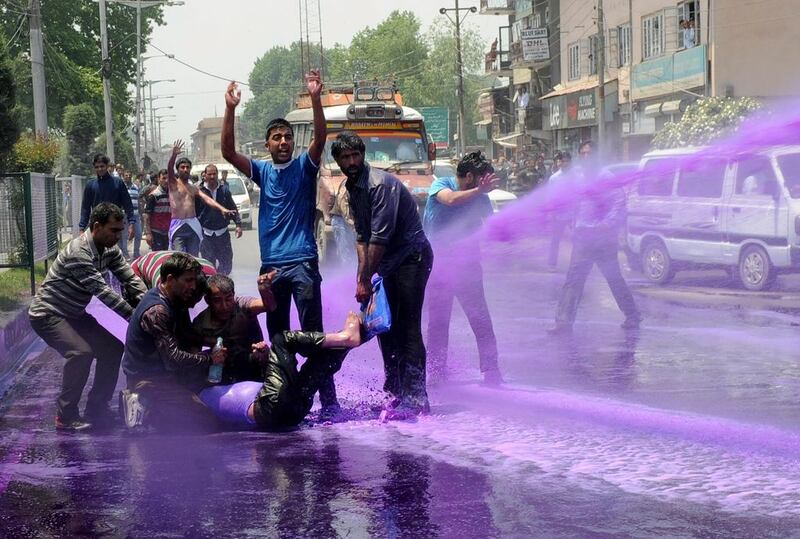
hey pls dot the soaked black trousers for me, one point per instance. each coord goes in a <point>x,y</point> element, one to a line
<point>288,392</point>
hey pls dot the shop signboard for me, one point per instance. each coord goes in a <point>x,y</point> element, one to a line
<point>683,70</point>
<point>535,47</point>
<point>437,124</point>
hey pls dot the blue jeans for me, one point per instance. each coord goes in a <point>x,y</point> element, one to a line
<point>302,282</point>
<point>137,238</point>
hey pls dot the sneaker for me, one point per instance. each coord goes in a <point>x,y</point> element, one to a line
<point>492,378</point>
<point>131,408</point>
<point>632,322</point>
<point>560,329</point>
<point>72,425</point>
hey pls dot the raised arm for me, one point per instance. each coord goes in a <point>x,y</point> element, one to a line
<point>177,149</point>
<point>314,85</point>
<point>449,197</point>
<point>242,163</point>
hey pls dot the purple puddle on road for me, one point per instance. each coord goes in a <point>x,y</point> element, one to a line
<point>508,455</point>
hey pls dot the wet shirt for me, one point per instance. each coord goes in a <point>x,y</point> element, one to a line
<point>441,219</point>
<point>384,213</point>
<point>240,332</point>
<point>77,275</point>
<point>287,210</point>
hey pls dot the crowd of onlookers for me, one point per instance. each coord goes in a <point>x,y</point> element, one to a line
<point>527,172</point>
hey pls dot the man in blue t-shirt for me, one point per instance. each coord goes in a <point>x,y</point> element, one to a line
<point>456,208</point>
<point>286,217</point>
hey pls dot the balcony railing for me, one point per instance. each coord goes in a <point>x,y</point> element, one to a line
<point>499,64</point>
<point>497,7</point>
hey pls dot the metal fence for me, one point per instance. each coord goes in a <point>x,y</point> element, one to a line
<point>30,218</point>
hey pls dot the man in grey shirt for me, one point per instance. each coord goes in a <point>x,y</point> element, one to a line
<point>58,315</point>
<point>390,242</point>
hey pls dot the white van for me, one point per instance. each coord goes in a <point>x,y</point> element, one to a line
<point>692,208</point>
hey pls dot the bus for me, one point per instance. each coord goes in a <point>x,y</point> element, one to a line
<point>394,136</point>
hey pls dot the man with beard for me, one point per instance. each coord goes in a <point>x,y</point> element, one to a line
<point>390,242</point>
<point>160,372</point>
<point>58,315</point>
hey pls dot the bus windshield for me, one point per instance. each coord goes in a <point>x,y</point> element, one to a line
<point>387,148</point>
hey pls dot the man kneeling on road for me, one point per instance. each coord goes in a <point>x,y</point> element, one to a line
<point>235,320</point>
<point>58,315</point>
<point>161,374</point>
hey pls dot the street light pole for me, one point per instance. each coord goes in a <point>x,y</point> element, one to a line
<point>460,69</point>
<point>106,71</point>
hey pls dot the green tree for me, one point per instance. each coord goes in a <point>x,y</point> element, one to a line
<point>437,82</point>
<point>80,127</point>
<point>71,32</point>
<point>9,126</point>
<point>706,120</point>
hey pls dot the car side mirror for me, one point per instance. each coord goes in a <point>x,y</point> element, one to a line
<point>431,151</point>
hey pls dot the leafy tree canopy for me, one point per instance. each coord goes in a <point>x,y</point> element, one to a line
<point>422,64</point>
<point>71,30</point>
<point>706,120</point>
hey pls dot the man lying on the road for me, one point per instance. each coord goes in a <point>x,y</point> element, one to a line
<point>235,319</point>
<point>58,315</point>
<point>160,370</point>
<point>287,394</point>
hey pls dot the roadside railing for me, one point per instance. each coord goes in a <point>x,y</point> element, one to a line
<point>30,218</point>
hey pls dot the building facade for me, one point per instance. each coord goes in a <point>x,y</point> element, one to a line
<point>660,57</point>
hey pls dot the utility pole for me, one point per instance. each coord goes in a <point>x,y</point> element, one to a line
<point>601,79</point>
<point>460,70</point>
<point>106,71</point>
<point>37,70</point>
<point>630,69</point>
<point>138,84</point>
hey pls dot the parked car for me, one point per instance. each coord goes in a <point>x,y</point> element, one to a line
<point>498,197</point>
<point>693,208</point>
<point>241,196</point>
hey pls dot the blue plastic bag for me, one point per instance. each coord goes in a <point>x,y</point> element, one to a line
<point>377,316</point>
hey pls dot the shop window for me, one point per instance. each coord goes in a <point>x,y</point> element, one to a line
<point>702,179</point>
<point>653,35</point>
<point>658,176</point>
<point>574,61</point>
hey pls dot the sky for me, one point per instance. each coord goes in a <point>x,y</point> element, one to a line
<point>226,37</point>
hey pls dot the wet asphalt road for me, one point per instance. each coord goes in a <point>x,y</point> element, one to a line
<point>689,427</point>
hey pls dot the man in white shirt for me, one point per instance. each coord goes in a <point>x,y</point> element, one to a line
<point>521,99</point>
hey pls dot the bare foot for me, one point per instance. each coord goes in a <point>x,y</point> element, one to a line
<point>352,330</point>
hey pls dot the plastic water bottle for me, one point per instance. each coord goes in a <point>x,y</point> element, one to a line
<point>215,370</point>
